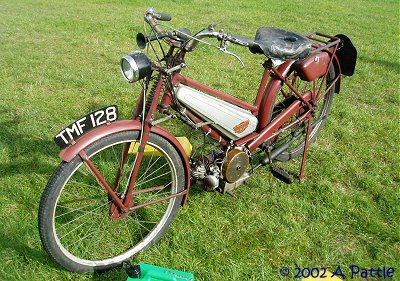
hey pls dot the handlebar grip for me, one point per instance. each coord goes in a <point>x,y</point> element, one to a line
<point>240,40</point>
<point>162,16</point>
<point>184,34</point>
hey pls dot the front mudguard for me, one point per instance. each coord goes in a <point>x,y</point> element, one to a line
<point>70,152</point>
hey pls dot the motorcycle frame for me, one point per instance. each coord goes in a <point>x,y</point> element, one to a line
<point>270,85</point>
<point>261,108</point>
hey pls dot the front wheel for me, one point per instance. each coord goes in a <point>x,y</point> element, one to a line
<point>77,225</point>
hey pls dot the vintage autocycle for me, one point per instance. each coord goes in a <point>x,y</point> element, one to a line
<point>121,183</point>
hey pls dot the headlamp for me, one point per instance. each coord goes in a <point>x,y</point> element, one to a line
<point>135,66</point>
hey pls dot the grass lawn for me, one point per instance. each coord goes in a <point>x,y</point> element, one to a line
<point>60,60</point>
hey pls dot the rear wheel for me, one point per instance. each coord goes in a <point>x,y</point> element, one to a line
<point>77,221</point>
<point>295,136</point>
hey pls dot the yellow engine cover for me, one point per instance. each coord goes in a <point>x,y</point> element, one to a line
<point>150,150</point>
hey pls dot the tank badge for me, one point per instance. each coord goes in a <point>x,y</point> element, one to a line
<point>241,127</point>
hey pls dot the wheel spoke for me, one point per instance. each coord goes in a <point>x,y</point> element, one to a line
<point>73,210</point>
<point>81,216</point>
<point>87,233</point>
<point>137,221</point>
<point>144,174</point>
<point>88,185</point>
<point>159,176</point>
<point>81,229</point>
<point>148,166</point>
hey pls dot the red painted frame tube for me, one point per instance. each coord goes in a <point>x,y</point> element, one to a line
<point>268,131</point>
<point>157,201</point>
<point>297,93</point>
<point>102,180</point>
<point>326,74</point>
<point>205,128</point>
<point>128,201</point>
<point>261,89</point>
<point>246,139</point>
<point>273,87</point>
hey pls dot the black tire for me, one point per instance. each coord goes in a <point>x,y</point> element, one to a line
<point>298,132</point>
<point>75,222</point>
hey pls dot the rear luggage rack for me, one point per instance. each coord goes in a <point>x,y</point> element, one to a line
<point>319,41</point>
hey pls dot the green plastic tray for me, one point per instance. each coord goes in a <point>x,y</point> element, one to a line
<point>156,273</point>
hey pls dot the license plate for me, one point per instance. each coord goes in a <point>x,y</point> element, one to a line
<point>85,124</point>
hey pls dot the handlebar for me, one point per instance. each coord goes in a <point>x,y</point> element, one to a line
<point>162,16</point>
<point>183,35</point>
<point>151,18</point>
<point>220,35</point>
<point>159,16</point>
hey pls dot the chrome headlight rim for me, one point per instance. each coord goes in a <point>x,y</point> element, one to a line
<point>135,66</point>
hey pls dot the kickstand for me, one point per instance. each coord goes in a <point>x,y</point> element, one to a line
<point>303,161</point>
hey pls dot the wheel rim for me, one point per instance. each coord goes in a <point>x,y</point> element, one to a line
<point>84,231</point>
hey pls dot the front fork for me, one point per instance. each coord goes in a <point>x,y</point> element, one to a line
<point>122,205</point>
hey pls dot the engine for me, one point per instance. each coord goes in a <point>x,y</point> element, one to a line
<point>206,170</point>
<point>219,169</point>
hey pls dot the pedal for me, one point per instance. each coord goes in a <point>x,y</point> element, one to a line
<point>132,271</point>
<point>281,174</point>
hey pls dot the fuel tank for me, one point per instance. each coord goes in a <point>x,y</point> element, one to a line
<point>230,120</point>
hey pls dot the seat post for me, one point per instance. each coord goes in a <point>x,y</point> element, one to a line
<point>267,73</point>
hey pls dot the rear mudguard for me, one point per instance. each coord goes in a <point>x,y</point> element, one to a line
<point>126,125</point>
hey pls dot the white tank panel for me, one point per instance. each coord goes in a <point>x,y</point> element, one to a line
<point>231,120</point>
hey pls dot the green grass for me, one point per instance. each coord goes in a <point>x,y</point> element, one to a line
<point>60,60</point>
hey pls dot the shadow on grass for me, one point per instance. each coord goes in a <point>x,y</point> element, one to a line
<point>115,274</point>
<point>25,166</point>
<point>25,154</point>
<point>392,65</point>
<point>15,242</point>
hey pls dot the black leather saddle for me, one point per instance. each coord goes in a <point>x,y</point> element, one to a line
<point>280,44</point>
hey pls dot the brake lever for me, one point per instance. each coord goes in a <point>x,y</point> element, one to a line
<point>211,27</point>
<point>224,50</point>
<point>224,44</point>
